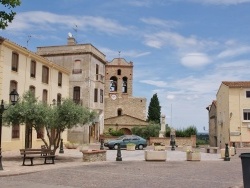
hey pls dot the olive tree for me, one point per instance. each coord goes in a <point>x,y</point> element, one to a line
<point>55,119</point>
<point>6,16</point>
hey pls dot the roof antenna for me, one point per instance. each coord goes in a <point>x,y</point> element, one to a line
<point>29,36</point>
<point>75,29</point>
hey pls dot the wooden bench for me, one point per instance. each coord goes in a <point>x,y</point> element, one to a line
<point>209,149</point>
<point>37,153</point>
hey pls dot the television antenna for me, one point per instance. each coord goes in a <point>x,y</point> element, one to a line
<point>75,29</point>
<point>29,36</point>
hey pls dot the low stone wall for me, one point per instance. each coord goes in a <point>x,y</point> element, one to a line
<point>180,141</point>
<point>94,155</point>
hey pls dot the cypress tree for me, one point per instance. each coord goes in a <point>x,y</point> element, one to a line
<point>154,109</point>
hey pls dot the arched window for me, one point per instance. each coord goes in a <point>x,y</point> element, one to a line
<point>113,84</point>
<point>76,94</point>
<point>119,112</point>
<point>33,89</point>
<point>59,98</point>
<point>124,85</point>
<point>45,96</point>
<point>119,72</point>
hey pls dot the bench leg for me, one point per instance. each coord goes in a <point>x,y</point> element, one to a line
<point>23,161</point>
<point>31,161</point>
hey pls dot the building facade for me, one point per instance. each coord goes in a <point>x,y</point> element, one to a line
<point>122,110</point>
<point>233,114</point>
<point>86,82</point>
<point>24,70</point>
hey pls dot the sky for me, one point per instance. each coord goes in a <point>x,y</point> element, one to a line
<point>181,49</point>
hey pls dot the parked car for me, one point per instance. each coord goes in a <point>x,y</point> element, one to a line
<point>124,140</point>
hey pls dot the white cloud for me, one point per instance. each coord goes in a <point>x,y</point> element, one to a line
<point>155,83</point>
<point>170,97</point>
<point>195,60</point>
<point>236,51</point>
<point>111,54</point>
<point>221,2</point>
<point>160,22</point>
<point>38,20</point>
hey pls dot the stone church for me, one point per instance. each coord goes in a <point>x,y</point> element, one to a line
<point>122,110</point>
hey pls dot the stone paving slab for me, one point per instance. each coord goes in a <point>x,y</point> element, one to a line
<point>12,162</point>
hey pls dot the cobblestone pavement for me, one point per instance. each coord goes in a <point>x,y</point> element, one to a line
<point>132,171</point>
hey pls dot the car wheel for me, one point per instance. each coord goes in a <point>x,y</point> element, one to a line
<point>110,148</point>
<point>115,147</point>
<point>140,147</point>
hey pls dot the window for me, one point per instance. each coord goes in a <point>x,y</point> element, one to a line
<point>40,133</point>
<point>77,67</point>
<point>119,112</point>
<point>14,64</point>
<point>96,95</point>
<point>113,83</point>
<point>59,99</point>
<point>76,95</point>
<point>33,89</point>
<point>33,69</point>
<point>101,96</point>
<point>247,94</point>
<point>45,96</point>
<point>124,85</point>
<point>15,130</point>
<point>97,71</point>
<point>119,72</point>
<point>59,79</point>
<point>246,114</point>
<point>45,75</point>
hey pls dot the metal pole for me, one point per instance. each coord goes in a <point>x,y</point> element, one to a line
<point>61,147</point>
<point>227,158</point>
<point>1,118</point>
<point>101,146</point>
<point>119,155</point>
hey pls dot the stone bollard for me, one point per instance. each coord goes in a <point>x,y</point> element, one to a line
<point>102,142</point>
<point>234,148</point>
<point>119,155</point>
<point>227,158</point>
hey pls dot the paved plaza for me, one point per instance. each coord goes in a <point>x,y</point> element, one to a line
<point>132,172</point>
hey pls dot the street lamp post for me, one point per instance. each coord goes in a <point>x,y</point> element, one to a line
<point>13,98</point>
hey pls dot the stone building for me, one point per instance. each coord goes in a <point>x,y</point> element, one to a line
<point>212,115</point>
<point>122,110</point>
<point>86,83</point>
<point>23,70</point>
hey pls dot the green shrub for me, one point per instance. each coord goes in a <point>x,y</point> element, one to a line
<point>151,130</point>
<point>187,132</point>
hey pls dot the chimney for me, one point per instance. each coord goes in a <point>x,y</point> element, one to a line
<point>71,41</point>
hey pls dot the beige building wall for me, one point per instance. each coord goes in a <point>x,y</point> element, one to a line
<point>84,75</point>
<point>24,81</point>
<point>232,102</point>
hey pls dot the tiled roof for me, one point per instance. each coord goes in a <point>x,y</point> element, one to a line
<point>239,84</point>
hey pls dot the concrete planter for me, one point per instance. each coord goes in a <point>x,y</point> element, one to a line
<point>71,145</point>
<point>160,148</point>
<point>193,156</point>
<point>130,147</point>
<point>152,155</point>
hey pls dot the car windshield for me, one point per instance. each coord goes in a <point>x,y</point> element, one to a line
<point>120,138</point>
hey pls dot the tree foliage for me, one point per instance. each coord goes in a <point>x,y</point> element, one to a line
<point>152,130</point>
<point>154,109</point>
<point>55,119</point>
<point>8,15</point>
